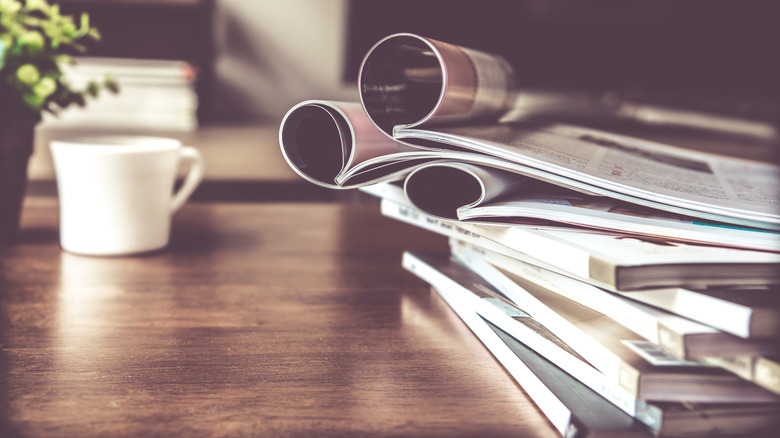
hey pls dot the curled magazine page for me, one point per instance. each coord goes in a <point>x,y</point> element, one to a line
<point>321,140</point>
<point>639,171</point>
<point>441,189</point>
<point>543,205</point>
<point>408,80</point>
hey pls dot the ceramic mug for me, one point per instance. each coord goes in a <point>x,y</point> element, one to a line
<point>116,191</point>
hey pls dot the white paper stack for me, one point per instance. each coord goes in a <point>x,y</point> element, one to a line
<point>155,95</point>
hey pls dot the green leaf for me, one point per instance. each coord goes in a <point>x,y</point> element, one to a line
<point>78,47</point>
<point>54,12</point>
<point>93,89</point>
<point>7,40</point>
<point>32,41</point>
<point>63,59</point>
<point>68,27</point>
<point>111,85</point>
<point>33,101</point>
<point>35,40</point>
<point>84,22</point>
<point>28,74</point>
<point>40,5</point>
<point>10,6</point>
<point>45,87</point>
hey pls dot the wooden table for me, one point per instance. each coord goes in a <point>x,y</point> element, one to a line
<point>257,320</point>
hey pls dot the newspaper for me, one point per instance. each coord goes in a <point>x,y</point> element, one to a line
<point>425,104</point>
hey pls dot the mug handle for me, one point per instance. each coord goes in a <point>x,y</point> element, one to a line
<point>193,178</point>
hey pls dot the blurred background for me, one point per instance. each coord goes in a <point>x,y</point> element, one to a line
<point>220,74</point>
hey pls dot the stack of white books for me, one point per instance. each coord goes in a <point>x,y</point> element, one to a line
<point>154,96</point>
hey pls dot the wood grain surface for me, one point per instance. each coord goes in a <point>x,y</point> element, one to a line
<point>257,320</point>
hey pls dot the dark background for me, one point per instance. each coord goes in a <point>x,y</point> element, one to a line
<point>702,52</point>
<point>155,30</point>
<point>714,54</point>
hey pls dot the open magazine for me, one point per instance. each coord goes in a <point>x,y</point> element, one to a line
<point>426,104</point>
<point>541,206</point>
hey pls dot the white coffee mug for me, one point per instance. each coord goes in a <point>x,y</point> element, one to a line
<point>116,191</point>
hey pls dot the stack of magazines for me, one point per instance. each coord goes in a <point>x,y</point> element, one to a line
<point>629,287</point>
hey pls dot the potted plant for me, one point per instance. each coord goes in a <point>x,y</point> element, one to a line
<point>35,41</point>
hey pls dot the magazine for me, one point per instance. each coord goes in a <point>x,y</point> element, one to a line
<point>573,410</point>
<point>538,205</point>
<point>748,312</point>
<point>681,337</point>
<point>425,102</point>
<point>617,263</point>
<point>631,361</point>
<point>764,371</point>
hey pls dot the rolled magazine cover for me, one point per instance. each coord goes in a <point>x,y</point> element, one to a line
<point>409,80</point>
